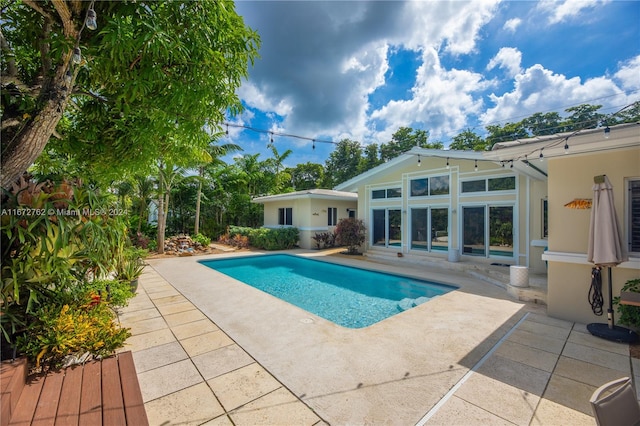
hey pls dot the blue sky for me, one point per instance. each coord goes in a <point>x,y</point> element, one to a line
<point>362,69</point>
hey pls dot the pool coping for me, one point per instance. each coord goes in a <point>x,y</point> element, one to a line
<point>381,375</point>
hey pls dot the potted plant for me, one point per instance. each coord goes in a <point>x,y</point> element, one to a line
<point>129,267</point>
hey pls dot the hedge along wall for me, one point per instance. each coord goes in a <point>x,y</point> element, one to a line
<point>267,238</point>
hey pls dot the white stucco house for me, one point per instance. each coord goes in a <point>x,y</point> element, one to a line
<point>507,206</point>
<point>311,211</point>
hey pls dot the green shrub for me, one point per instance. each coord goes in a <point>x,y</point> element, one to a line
<point>629,314</point>
<point>201,239</point>
<point>264,238</point>
<point>116,293</point>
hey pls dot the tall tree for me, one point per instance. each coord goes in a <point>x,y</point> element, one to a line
<point>468,140</point>
<point>215,151</point>
<point>342,163</point>
<point>370,158</point>
<point>307,176</point>
<point>540,124</point>
<point>583,117</point>
<point>403,140</point>
<point>132,82</point>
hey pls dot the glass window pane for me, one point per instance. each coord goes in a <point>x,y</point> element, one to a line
<point>501,231</point>
<point>439,229</point>
<point>395,228</point>
<point>378,193</point>
<point>394,193</point>
<point>440,185</point>
<point>474,186</point>
<point>289,216</point>
<point>419,187</point>
<point>473,231</point>
<point>378,228</point>
<point>419,229</point>
<point>502,184</point>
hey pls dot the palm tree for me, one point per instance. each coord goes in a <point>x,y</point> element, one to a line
<point>215,152</point>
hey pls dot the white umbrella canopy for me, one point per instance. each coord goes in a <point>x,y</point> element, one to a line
<point>605,243</point>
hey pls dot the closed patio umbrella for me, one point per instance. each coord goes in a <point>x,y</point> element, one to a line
<point>606,250</point>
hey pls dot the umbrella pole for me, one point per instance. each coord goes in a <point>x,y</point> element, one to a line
<point>610,310</point>
<point>610,331</point>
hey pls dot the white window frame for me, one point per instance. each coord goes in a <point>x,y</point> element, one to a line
<point>285,213</point>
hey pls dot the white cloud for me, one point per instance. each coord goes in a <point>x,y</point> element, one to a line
<point>507,58</point>
<point>441,100</point>
<point>629,74</point>
<point>512,24</point>
<point>564,10</point>
<point>540,90</point>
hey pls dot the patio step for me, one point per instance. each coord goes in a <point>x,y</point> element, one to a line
<point>96,393</point>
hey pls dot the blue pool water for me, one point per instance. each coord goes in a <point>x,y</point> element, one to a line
<point>350,297</point>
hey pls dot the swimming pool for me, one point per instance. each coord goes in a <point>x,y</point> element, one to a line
<point>350,297</point>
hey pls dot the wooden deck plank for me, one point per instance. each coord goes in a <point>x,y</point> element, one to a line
<point>13,375</point>
<point>91,398</point>
<point>26,406</point>
<point>112,403</point>
<point>133,403</point>
<point>69,408</point>
<point>47,408</point>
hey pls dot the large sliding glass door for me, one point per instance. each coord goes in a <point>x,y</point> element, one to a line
<point>473,231</point>
<point>430,229</point>
<point>487,224</point>
<point>387,228</point>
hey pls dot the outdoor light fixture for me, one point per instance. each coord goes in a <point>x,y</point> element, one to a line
<point>476,166</point>
<point>77,56</point>
<point>448,163</point>
<point>90,22</point>
<point>607,132</point>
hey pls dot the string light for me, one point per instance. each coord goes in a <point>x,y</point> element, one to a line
<point>77,56</point>
<point>271,138</point>
<point>419,161</point>
<point>90,22</point>
<point>541,155</point>
<point>476,166</point>
<point>448,163</point>
<point>607,132</point>
<point>566,145</point>
<point>227,132</point>
<point>313,146</point>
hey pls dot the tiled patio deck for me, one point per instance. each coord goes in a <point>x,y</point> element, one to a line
<point>534,371</point>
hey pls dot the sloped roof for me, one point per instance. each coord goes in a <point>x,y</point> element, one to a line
<point>322,194</point>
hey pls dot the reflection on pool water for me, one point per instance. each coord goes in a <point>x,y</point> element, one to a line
<point>350,297</point>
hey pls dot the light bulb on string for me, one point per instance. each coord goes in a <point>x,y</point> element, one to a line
<point>566,146</point>
<point>90,22</point>
<point>419,161</point>
<point>77,56</point>
<point>607,132</point>
<point>541,155</point>
<point>475,167</point>
<point>448,163</point>
<point>227,132</point>
<point>270,137</point>
<point>313,144</point>
<point>511,164</point>
<point>526,161</point>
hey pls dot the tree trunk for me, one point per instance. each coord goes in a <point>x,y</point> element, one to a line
<point>26,146</point>
<point>196,227</point>
<point>161,218</point>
